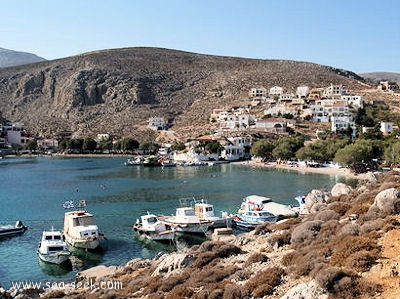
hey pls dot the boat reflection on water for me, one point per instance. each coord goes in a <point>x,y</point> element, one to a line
<point>56,270</point>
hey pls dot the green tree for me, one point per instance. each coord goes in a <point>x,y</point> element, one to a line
<point>213,147</point>
<point>359,155</point>
<point>62,146</point>
<point>129,144</point>
<point>31,146</point>
<point>149,147</point>
<point>262,148</point>
<point>106,145</point>
<point>392,153</point>
<point>287,147</point>
<point>75,144</point>
<point>178,146</point>
<point>89,145</point>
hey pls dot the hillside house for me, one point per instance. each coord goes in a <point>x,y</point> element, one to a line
<point>258,92</point>
<point>48,144</point>
<point>333,90</point>
<point>302,91</point>
<point>353,100</point>
<point>340,124</point>
<point>386,128</point>
<point>237,122</point>
<point>272,125</point>
<point>280,109</point>
<point>388,86</point>
<point>315,93</point>
<point>157,123</point>
<point>276,91</point>
<point>286,98</point>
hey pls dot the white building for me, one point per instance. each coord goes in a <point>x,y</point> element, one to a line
<point>237,148</point>
<point>353,100</point>
<point>275,91</point>
<point>341,124</point>
<point>333,90</point>
<point>258,92</point>
<point>386,128</point>
<point>157,123</point>
<point>237,122</point>
<point>302,91</point>
<point>273,125</point>
<point>280,109</point>
<point>286,98</point>
<point>14,133</point>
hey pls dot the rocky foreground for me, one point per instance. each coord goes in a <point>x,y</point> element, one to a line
<point>347,246</point>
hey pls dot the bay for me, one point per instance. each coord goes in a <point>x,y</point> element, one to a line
<point>33,190</point>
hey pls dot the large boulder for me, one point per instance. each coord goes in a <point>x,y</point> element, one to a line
<point>341,189</point>
<point>315,200</point>
<point>388,201</point>
<point>309,290</point>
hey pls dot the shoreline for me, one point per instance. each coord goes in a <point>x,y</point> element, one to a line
<point>345,172</point>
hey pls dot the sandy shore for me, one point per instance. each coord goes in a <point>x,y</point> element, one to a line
<point>345,172</point>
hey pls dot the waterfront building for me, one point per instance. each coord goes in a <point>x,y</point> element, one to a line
<point>237,148</point>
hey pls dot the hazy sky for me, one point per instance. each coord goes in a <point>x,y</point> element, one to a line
<point>361,36</point>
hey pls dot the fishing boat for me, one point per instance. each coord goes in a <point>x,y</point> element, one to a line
<point>185,221</point>
<point>281,211</point>
<point>7,231</point>
<point>205,211</point>
<point>249,216</point>
<point>52,248</point>
<point>149,227</point>
<point>80,230</point>
<point>151,161</point>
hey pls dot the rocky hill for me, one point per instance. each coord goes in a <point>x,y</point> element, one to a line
<point>382,76</point>
<point>13,58</point>
<point>116,91</point>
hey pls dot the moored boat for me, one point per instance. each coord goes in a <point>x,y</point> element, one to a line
<point>80,230</point>
<point>52,248</point>
<point>149,227</point>
<point>7,231</point>
<point>186,221</point>
<point>134,161</point>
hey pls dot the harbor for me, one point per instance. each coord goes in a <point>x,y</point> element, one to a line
<point>118,195</point>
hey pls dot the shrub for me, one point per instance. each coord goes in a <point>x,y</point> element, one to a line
<point>309,263</point>
<point>327,215</point>
<point>350,229</point>
<point>340,207</point>
<point>304,233</point>
<point>347,252</point>
<point>232,291</point>
<point>372,226</point>
<point>264,282</point>
<point>256,258</point>
<point>180,291</point>
<point>342,285</point>
<point>217,250</point>
<point>280,239</point>
<point>263,229</point>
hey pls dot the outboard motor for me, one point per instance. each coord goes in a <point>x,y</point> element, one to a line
<point>19,224</point>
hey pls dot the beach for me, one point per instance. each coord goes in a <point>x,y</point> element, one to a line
<point>345,172</point>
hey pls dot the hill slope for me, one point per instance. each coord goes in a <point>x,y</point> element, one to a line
<point>382,76</point>
<point>116,91</point>
<point>13,58</point>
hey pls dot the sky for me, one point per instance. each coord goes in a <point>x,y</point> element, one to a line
<point>356,35</point>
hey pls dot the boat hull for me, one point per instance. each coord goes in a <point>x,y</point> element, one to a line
<point>90,244</point>
<point>165,236</point>
<point>55,258</point>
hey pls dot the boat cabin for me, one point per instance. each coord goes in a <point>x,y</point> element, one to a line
<point>80,224</point>
<point>52,241</point>
<point>186,215</point>
<point>151,223</point>
<point>204,210</point>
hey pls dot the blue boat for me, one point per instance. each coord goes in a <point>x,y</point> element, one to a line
<point>250,215</point>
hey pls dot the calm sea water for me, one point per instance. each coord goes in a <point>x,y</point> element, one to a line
<point>33,191</point>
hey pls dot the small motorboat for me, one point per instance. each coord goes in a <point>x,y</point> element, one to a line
<point>134,161</point>
<point>52,248</point>
<point>7,231</point>
<point>151,228</point>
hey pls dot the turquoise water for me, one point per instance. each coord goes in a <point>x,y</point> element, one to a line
<point>33,191</point>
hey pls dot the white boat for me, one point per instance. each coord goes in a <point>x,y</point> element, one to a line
<point>205,211</point>
<point>187,222</point>
<point>279,210</point>
<point>151,228</point>
<point>80,230</point>
<point>134,161</point>
<point>7,231</point>
<point>52,248</point>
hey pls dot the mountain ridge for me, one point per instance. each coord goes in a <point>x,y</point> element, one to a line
<point>9,58</point>
<point>117,90</point>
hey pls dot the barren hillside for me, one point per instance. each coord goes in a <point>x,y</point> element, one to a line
<point>116,91</point>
